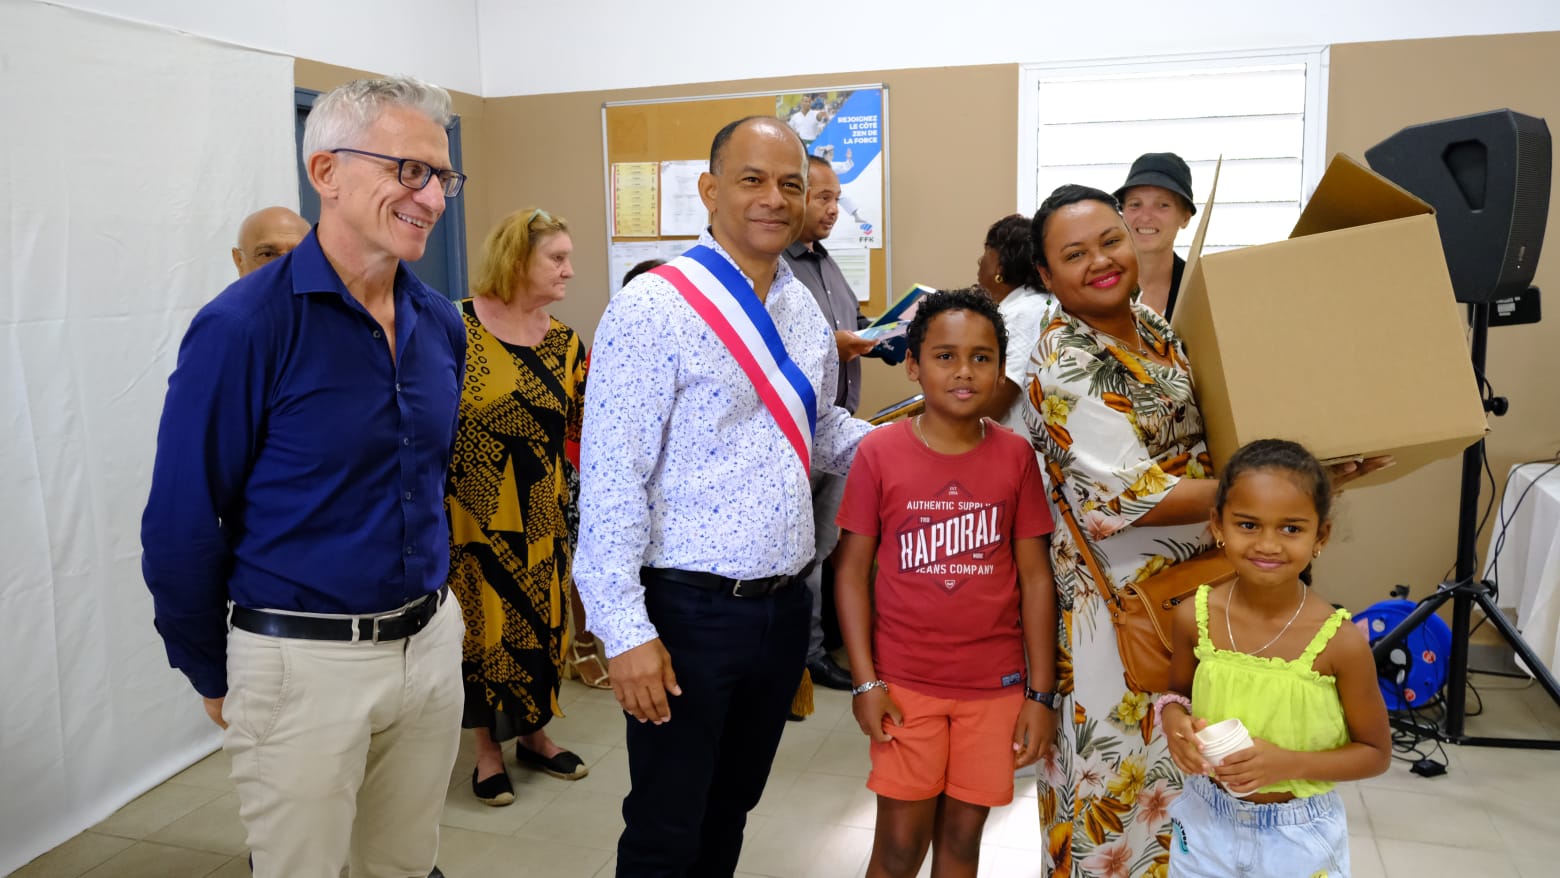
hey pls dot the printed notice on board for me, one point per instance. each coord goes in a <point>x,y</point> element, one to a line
<point>623,255</point>
<point>856,264</point>
<point>634,199</point>
<point>682,213</point>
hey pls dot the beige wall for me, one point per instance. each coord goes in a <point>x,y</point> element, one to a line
<point>953,154</point>
<point>473,144</point>
<point>1406,531</point>
<point>953,158</point>
<point>952,140</point>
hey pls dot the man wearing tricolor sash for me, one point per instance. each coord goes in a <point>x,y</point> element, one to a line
<point>710,405</point>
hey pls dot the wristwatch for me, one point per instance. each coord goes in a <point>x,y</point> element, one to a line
<point>1046,698</point>
<point>868,687</point>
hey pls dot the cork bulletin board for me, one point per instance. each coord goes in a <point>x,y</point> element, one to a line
<point>655,150</point>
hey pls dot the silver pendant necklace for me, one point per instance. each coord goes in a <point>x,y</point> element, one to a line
<point>1229,630</point>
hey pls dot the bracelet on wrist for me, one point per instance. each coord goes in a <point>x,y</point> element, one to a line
<point>1166,699</point>
<point>864,688</point>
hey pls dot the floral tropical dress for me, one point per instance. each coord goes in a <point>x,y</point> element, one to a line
<point>1123,430</point>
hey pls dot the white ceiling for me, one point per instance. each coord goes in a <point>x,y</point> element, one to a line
<point>511,47</point>
<point>582,45</point>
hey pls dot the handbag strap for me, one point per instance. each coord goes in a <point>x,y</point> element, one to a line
<point>1059,492</point>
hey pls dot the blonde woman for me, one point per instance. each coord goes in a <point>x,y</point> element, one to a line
<point>507,496</point>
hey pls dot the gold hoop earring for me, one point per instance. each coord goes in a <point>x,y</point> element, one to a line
<point>998,277</point>
<point>1316,554</point>
<point>1218,542</point>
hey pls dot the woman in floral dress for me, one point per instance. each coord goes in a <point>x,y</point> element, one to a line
<point>1111,404</point>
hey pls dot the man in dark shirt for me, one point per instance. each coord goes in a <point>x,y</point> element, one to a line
<point>814,267</point>
<point>299,475</point>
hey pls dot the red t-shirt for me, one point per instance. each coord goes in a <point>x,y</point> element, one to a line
<point>946,596</point>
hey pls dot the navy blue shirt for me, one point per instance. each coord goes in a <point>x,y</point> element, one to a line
<point>298,466</point>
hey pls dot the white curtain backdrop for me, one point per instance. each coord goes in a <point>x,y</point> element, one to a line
<point>130,155</point>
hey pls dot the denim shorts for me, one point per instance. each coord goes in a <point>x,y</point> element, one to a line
<point>1216,835</point>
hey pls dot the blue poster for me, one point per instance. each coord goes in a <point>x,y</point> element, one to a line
<point>846,128</point>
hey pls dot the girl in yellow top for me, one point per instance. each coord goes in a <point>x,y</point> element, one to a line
<point>1263,649</point>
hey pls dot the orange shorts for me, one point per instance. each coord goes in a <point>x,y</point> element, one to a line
<point>962,747</point>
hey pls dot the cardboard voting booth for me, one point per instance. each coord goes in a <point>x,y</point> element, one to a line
<point>1346,337</point>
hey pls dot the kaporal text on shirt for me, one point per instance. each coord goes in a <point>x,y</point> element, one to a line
<point>937,541</point>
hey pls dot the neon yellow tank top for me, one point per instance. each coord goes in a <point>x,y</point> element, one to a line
<point>1280,701</point>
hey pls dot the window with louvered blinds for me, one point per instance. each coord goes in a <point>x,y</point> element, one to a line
<point>1264,114</point>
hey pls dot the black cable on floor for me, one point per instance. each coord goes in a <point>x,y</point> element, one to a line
<point>1420,745</point>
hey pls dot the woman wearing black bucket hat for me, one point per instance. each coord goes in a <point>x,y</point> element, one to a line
<point>1156,202</point>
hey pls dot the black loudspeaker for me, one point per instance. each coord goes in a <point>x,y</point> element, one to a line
<point>1487,176</point>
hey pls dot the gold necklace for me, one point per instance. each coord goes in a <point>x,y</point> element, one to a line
<point>1141,350</point>
<point>1230,630</point>
<point>916,423</point>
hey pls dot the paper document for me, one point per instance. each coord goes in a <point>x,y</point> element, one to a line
<point>623,255</point>
<point>634,199</point>
<point>856,264</point>
<point>682,213</point>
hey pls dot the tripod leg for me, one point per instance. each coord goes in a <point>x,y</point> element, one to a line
<point>1538,669</point>
<point>1457,665</point>
<point>1381,648</point>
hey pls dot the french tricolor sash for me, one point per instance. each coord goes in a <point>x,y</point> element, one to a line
<point>721,296</point>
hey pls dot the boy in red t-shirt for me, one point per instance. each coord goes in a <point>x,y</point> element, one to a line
<point>953,508</point>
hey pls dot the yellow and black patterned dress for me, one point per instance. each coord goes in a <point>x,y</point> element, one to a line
<point>509,546</point>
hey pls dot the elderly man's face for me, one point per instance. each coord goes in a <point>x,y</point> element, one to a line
<point>266,235</point>
<point>384,216</point>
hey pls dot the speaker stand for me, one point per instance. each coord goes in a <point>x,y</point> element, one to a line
<point>1464,591</point>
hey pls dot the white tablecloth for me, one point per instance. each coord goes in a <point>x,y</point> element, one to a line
<point>1527,567</point>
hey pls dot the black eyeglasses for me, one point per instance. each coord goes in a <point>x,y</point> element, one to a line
<point>415,173</point>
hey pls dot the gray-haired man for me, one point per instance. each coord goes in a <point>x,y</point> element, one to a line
<point>300,476</point>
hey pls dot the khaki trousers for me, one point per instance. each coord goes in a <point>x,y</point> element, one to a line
<point>342,751</point>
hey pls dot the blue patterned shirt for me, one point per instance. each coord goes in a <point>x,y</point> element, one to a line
<point>681,465</point>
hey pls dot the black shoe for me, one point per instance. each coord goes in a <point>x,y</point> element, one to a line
<point>826,672</point>
<point>794,717</point>
<point>564,765</point>
<point>495,791</point>
<point>435,873</point>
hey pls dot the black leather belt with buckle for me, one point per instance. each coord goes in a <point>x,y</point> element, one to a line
<point>740,588</point>
<point>397,624</point>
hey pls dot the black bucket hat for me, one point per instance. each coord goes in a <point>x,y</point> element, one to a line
<point>1163,169</point>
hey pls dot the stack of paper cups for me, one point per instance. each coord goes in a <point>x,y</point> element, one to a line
<point>1223,738</point>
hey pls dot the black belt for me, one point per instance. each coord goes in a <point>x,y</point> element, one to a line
<point>397,624</point>
<point>739,588</point>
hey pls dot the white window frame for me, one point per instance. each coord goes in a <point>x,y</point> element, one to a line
<point>1314,149</point>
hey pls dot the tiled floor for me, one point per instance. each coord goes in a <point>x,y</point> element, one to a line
<point>1492,815</point>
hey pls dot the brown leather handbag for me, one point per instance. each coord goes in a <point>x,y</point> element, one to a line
<point>1142,612</point>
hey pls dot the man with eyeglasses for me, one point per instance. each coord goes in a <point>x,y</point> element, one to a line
<point>299,479</point>
<point>266,235</point>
